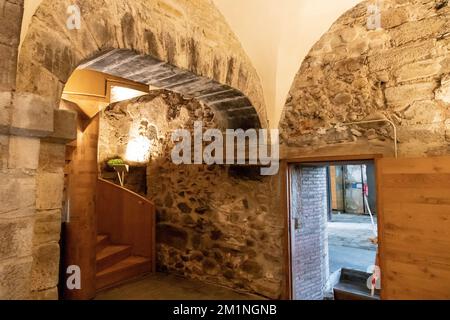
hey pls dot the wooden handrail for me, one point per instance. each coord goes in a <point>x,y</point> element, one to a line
<point>127,217</point>
<point>127,190</point>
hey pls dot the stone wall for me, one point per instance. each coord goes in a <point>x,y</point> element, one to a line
<point>215,223</point>
<point>47,228</point>
<point>310,265</point>
<point>18,165</point>
<point>400,72</point>
<point>220,226</point>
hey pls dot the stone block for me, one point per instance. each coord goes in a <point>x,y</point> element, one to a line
<point>5,111</point>
<point>35,79</point>
<point>418,70</point>
<point>172,236</point>
<point>393,17</point>
<point>47,227</point>
<point>447,130</point>
<point>443,92</point>
<point>15,237</point>
<point>16,192</point>
<point>52,157</point>
<point>399,56</point>
<point>32,115</point>
<point>445,65</point>
<point>422,139</point>
<point>23,153</point>
<point>4,151</point>
<point>65,127</point>
<point>430,28</point>
<point>8,58</point>
<point>49,193</point>
<point>49,295</point>
<point>11,15</point>
<point>401,96</point>
<point>424,112</point>
<point>45,269</point>
<point>15,279</point>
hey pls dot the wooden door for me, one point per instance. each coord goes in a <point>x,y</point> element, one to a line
<point>414,203</point>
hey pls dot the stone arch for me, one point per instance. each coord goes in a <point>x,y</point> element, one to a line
<point>230,104</point>
<point>190,43</point>
<point>188,38</point>
<point>398,72</point>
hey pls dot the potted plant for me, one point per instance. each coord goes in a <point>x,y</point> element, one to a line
<point>120,167</point>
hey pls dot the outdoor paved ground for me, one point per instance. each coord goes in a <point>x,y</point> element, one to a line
<point>348,242</point>
<point>160,286</point>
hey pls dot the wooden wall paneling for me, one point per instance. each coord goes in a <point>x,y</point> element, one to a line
<point>415,204</point>
<point>127,218</point>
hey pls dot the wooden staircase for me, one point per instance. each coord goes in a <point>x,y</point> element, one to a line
<point>116,264</point>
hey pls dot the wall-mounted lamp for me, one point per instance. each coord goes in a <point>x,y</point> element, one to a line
<point>138,150</point>
<point>119,93</point>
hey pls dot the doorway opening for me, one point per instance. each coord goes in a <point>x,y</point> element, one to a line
<point>334,230</point>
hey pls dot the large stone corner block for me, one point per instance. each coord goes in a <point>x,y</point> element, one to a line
<point>5,111</point>
<point>23,153</point>
<point>65,127</point>
<point>32,115</point>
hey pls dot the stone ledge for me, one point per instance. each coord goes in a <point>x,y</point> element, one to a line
<point>31,116</point>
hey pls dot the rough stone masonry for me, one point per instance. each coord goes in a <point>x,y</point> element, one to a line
<point>400,72</point>
<point>215,223</point>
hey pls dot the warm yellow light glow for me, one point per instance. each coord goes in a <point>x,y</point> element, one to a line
<point>138,150</point>
<point>122,93</point>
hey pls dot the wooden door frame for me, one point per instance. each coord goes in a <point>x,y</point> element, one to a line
<point>285,172</point>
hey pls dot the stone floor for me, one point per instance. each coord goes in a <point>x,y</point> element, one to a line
<point>348,242</point>
<point>169,287</point>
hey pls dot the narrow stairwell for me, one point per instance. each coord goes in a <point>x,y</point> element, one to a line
<point>116,264</point>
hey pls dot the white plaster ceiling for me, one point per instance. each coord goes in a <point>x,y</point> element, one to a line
<point>277,35</point>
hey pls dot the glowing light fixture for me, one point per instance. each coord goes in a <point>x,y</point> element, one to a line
<point>122,93</point>
<point>138,150</point>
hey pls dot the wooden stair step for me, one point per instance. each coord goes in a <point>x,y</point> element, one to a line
<point>126,269</point>
<point>110,255</point>
<point>102,242</point>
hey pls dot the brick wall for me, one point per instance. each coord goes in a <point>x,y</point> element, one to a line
<point>310,240</point>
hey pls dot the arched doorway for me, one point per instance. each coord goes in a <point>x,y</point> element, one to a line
<point>83,215</point>
<point>51,52</point>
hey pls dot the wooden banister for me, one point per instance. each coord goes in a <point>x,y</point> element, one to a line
<point>127,218</point>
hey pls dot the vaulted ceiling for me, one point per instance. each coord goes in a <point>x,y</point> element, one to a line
<point>276,34</point>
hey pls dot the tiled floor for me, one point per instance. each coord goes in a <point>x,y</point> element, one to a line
<point>169,287</point>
